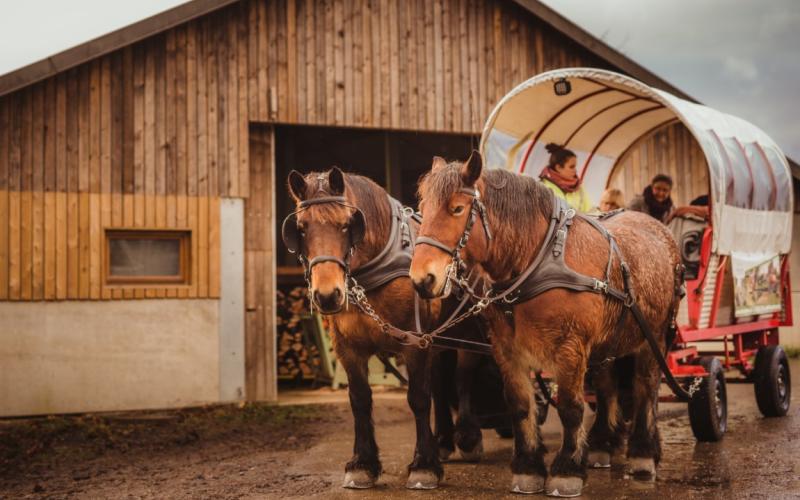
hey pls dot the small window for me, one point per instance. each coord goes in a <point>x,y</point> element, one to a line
<point>139,257</point>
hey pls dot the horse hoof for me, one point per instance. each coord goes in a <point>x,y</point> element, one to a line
<point>527,484</point>
<point>644,468</point>
<point>474,455</point>
<point>444,454</point>
<point>422,480</point>
<point>561,486</point>
<point>599,459</point>
<point>358,480</point>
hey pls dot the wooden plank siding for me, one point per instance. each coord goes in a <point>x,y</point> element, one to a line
<point>92,149</point>
<point>259,249</point>
<point>153,134</point>
<point>661,152</point>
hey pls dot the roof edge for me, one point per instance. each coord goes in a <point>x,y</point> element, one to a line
<point>599,47</point>
<point>107,43</point>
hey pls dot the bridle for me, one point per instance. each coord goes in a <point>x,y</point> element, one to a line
<point>456,268</point>
<point>292,237</point>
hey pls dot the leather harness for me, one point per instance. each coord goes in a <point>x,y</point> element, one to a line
<point>548,270</point>
<point>392,262</point>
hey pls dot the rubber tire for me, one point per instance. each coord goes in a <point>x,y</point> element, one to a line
<point>772,365</point>
<point>708,419</point>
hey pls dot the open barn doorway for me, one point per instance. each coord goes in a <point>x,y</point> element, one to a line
<point>395,160</point>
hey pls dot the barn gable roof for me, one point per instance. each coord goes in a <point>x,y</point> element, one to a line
<point>110,42</point>
<point>196,8</point>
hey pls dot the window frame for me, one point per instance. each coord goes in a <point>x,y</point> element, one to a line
<point>184,278</point>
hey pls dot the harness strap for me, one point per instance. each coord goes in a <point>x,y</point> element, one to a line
<point>319,259</point>
<point>673,384</point>
<point>323,199</point>
<point>554,220</point>
<point>424,240</point>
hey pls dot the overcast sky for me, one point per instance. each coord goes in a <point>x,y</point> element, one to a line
<point>739,56</point>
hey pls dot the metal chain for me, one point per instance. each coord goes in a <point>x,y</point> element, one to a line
<point>359,297</point>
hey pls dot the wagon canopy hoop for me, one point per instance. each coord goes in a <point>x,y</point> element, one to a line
<point>750,184</point>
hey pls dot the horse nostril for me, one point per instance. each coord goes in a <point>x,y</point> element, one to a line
<point>430,279</point>
<point>330,302</point>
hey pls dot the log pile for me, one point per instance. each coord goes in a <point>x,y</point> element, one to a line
<point>298,358</point>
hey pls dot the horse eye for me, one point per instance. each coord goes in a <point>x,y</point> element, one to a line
<point>458,210</point>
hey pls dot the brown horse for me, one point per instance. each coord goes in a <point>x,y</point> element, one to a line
<point>561,331</point>
<point>343,222</point>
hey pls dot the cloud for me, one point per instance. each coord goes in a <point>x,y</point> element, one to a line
<point>739,57</point>
<point>742,69</point>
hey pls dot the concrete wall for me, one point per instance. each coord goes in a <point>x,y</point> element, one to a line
<point>81,356</point>
<point>231,304</point>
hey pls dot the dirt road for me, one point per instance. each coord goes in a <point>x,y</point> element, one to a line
<point>300,453</point>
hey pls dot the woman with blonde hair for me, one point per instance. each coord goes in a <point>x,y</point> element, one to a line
<point>611,199</point>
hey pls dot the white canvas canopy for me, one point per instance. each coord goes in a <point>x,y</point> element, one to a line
<point>606,112</point>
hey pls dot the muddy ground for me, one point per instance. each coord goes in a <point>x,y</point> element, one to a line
<point>299,451</point>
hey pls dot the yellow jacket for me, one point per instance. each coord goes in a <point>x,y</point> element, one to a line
<point>578,200</point>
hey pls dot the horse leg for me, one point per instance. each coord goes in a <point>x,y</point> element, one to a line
<point>468,432</point>
<point>364,468</point>
<point>442,380</point>
<point>425,471</point>
<point>607,435</point>
<point>527,465</point>
<point>644,444</point>
<point>568,470</point>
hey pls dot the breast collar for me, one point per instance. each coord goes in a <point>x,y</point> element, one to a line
<point>548,270</point>
<point>394,260</point>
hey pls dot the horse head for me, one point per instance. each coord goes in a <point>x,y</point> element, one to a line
<point>455,230</point>
<point>323,231</point>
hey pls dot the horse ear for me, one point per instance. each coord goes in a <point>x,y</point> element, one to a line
<point>336,181</point>
<point>297,185</point>
<point>438,162</point>
<point>471,169</point>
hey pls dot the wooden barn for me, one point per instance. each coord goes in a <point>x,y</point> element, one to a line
<point>142,176</point>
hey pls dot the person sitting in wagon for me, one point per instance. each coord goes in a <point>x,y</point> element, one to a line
<point>655,200</point>
<point>611,199</point>
<point>561,176</point>
<point>698,207</point>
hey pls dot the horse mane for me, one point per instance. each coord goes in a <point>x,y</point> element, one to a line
<point>361,192</point>
<point>512,203</point>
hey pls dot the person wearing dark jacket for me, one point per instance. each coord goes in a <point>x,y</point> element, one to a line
<point>655,200</point>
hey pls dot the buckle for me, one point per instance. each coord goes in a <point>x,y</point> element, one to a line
<point>425,341</point>
<point>600,286</point>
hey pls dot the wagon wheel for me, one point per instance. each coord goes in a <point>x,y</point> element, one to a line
<point>708,408</point>
<point>772,381</point>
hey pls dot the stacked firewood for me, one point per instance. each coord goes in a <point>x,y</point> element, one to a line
<point>298,358</point>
